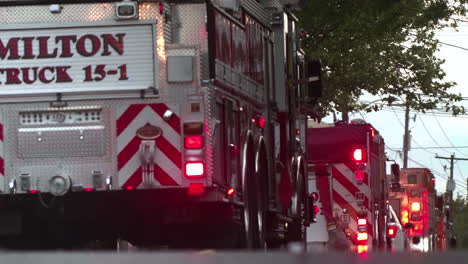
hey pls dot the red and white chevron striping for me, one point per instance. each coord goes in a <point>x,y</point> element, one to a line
<point>345,189</point>
<point>168,165</point>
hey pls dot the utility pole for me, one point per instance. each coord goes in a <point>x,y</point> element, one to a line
<point>450,183</point>
<point>406,137</point>
<point>449,194</point>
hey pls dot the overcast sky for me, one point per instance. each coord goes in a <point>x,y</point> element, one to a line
<point>438,130</point>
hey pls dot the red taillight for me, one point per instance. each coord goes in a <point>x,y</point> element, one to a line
<point>33,191</point>
<point>261,122</point>
<point>194,169</point>
<point>362,221</point>
<point>359,155</point>
<point>161,9</point>
<point>359,176</point>
<point>88,189</point>
<point>362,237</point>
<point>392,231</point>
<point>196,189</point>
<point>129,188</point>
<point>316,209</point>
<point>193,142</point>
<point>231,192</point>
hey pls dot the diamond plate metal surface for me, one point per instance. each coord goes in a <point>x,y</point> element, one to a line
<point>44,163</point>
<point>33,147</point>
<point>189,28</point>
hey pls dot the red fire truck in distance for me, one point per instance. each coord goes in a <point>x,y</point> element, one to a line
<point>413,199</point>
<point>347,163</point>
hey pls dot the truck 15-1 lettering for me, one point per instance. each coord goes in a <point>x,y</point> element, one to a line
<point>58,47</point>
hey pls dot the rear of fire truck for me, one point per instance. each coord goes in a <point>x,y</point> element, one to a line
<point>347,164</point>
<point>415,199</point>
<point>145,120</point>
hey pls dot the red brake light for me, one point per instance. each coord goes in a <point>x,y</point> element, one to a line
<point>194,169</point>
<point>359,155</point>
<point>362,221</point>
<point>231,191</point>
<point>392,231</point>
<point>261,122</point>
<point>161,8</point>
<point>33,191</point>
<point>193,142</point>
<point>88,189</point>
<point>359,175</point>
<point>316,209</point>
<point>362,237</point>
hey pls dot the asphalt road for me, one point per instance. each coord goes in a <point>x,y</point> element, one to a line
<point>211,257</point>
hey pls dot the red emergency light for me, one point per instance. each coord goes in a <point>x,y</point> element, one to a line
<point>194,169</point>
<point>359,155</point>
<point>193,142</point>
<point>392,231</point>
<point>231,191</point>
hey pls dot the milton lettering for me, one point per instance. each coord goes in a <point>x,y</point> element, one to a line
<point>59,47</point>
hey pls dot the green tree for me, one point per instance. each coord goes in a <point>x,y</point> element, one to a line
<point>460,223</point>
<point>382,47</point>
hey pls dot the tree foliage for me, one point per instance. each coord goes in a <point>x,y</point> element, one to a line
<point>460,223</point>
<point>382,47</point>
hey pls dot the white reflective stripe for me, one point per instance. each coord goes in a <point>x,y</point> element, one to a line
<point>169,167</point>
<point>127,171</point>
<point>347,196</point>
<point>161,160</point>
<point>349,174</point>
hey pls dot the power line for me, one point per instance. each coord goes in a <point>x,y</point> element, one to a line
<point>440,174</point>
<point>448,139</point>
<point>439,147</point>
<point>452,45</point>
<point>427,131</point>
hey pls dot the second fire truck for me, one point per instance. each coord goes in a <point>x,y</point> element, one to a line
<point>346,163</point>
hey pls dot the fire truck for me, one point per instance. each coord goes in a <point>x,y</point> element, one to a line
<point>414,199</point>
<point>178,123</point>
<point>346,163</point>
